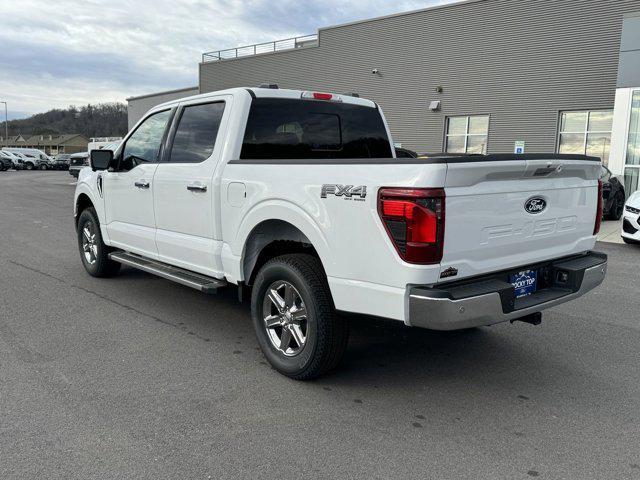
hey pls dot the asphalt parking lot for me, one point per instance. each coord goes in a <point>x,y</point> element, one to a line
<point>136,377</point>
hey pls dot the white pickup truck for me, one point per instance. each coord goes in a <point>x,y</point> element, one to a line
<point>298,197</point>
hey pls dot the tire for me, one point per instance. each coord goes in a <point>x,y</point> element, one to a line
<point>617,208</point>
<point>29,166</point>
<point>630,241</point>
<point>93,252</point>
<point>43,167</point>
<point>324,333</point>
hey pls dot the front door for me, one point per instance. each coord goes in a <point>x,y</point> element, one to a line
<point>128,191</point>
<point>185,193</point>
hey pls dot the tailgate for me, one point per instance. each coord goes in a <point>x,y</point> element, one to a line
<point>514,212</point>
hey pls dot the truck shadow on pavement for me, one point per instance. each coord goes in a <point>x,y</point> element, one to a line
<point>381,353</point>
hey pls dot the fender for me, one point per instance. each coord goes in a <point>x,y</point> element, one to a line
<point>87,185</point>
<point>278,209</point>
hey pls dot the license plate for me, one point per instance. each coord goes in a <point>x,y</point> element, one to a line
<point>524,282</point>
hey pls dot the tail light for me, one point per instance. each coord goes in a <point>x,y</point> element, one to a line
<point>596,227</point>
<point>414,220</point>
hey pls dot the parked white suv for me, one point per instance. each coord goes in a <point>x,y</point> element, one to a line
<point>299,197</point>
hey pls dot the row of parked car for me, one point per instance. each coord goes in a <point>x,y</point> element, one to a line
<point>32,159</point>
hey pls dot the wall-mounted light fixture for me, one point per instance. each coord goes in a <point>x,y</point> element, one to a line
<point>375,71</point>
<point>434,105</point>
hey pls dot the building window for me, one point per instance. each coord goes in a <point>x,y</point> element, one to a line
<point>468,134</point>
<point>586,132</point>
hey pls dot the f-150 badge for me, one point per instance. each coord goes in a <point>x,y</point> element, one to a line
<point>346,191</point>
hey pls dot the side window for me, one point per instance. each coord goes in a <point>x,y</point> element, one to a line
<point>196,133</point>
<point>143,146</point>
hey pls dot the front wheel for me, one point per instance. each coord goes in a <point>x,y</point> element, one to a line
<point>93,251</point>
<point>29,166</point>
<point>630,241</point>
<point>294,318</point>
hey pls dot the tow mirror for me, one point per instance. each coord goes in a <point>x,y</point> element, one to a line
<point>101,159</point>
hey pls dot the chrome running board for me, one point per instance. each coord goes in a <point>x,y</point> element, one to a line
<point>176,274</point>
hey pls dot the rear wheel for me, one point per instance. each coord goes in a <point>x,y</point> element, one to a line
<point>29,166</point>
<point>93,252</point>
<point>294,318</point>
<point>43,167</point>
<point>617,208</point>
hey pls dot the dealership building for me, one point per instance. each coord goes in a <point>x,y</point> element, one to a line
<point>477,76</point>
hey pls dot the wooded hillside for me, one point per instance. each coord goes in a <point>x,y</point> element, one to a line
<point>100,120</point>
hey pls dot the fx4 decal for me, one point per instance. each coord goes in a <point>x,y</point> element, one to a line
<point>346,191</point>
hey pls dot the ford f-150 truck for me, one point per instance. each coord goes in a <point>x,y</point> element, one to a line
<point>298,198</point>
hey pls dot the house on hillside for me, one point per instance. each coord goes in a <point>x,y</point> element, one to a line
<point>50,144</point>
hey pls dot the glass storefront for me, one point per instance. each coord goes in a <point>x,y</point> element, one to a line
<point>632,168</point>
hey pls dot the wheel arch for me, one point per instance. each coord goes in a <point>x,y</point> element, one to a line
<point>277,221</point>
<point>83,201</point>
<point>271,238</point>
<point>85,197</point>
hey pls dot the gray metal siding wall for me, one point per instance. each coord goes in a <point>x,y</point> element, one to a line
<point>519,60</point>
<point>138,106</point>
<point>629,66</point>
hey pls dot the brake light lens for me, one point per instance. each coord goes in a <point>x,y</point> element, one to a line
<point>414,220</point>
<point>321,96</point>
<point>596,227</point>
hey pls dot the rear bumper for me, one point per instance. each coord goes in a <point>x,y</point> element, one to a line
<point>491,299</point>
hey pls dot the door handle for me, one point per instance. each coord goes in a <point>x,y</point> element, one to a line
<point>142,184</point>
<point>196,187</point>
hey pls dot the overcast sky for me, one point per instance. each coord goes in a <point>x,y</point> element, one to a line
<point>66,52</point>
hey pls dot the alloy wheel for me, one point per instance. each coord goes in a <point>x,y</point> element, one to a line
<point>285,318</point>
<point>89,245</point>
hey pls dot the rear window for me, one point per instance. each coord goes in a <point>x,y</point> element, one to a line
<point>304,129</point>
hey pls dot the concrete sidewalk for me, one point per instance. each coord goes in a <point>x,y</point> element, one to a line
<point>610,231</point>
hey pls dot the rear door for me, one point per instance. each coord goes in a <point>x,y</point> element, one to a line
<point>186,193</point>
<point>128,191</point>
<point>504,214</point>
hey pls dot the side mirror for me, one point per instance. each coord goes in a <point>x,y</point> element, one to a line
<point>101,159</point>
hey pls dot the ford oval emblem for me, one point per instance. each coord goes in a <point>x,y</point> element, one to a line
<point>535,205</point>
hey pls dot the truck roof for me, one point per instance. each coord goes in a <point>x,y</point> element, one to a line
<point>257,92</point>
